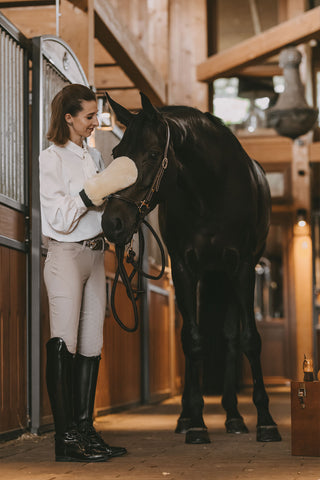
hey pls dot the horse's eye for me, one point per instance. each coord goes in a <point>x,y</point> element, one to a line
<point>154,155</point>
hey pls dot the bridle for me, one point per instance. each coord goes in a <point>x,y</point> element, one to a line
<point>143,207</point>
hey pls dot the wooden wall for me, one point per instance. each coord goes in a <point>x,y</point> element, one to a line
<point>13,325</point>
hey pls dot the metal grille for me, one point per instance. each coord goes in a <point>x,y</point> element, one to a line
<point>53,82</point>
<point>11,119</point>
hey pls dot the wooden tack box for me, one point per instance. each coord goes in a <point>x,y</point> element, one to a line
<point>305,418</point>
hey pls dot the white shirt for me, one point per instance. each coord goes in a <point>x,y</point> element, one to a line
<point>63,171</point>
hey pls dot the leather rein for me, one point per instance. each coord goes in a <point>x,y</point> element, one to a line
<point>143,207</point>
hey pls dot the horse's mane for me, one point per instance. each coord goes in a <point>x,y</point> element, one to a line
<point>189,119</point>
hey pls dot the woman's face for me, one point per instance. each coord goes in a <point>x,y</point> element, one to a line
<point>83,124</point>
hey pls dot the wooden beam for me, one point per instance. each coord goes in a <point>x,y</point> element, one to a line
<point>128,53</point>
<point>292,32</point>
<point>263,70</point>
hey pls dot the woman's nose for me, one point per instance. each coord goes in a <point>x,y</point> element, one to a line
<point>95,121</point>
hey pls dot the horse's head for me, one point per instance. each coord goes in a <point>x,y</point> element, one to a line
<point>147,142</point>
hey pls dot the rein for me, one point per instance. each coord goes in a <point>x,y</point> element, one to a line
<point>144,208</point>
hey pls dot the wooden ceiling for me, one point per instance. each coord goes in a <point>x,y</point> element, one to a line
<point>114,58</point>
<point>120,64</point>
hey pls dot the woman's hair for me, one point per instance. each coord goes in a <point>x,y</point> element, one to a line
<point>68,100</point>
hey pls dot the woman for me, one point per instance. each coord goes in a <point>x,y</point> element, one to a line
<point>71,194</point>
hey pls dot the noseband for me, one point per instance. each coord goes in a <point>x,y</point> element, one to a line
<point>144,207</point>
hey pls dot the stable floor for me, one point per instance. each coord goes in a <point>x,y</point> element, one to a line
<point>156,452</point>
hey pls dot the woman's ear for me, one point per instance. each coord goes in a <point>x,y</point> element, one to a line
<point>68,118</point>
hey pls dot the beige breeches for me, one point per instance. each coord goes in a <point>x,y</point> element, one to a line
<point>74,277</point>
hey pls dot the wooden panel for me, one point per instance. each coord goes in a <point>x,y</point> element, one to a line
<point>130,99</point>
<point>273,149</point>
<point>119,375</point>
<point>13,350</point>
<point>127,52</point>
<point>111,77</point>
<point>294,31</point>
<point>12,224</point>
<point>33,21</point>
<point>159,345</point>
<point>314,152</point>
<point>305,419</point>
<point>101,56</point>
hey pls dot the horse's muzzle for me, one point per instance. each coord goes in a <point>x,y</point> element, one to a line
<point>117,228</point>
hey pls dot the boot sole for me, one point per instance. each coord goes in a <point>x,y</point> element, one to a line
<point>83,460</point>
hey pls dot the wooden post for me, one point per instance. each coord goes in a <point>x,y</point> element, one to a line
<point>187,47</point>
<point>302,254</point>
<point>74,30</point>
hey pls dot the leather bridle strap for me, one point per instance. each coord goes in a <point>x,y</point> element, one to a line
<point>145,204</point>
<point>143,207</point>
<point>132,293</point>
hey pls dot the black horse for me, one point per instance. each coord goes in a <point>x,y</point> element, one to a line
<point>214,212</point>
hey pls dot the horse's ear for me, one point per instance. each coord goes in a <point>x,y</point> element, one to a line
<point>147,105</point>
<point>122,114</point>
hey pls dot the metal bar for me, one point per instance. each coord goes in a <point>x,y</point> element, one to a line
<point>9,202</point>
<point>25,181</point>
<point>14,244</point>
<point>14,32</point>
<point>35,265</point>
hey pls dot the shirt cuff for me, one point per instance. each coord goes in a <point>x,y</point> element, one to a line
<point>86,200</point>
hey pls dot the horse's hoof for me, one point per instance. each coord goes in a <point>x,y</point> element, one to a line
<point>183,425</point>
<point>196,436</point>
<point>268,433</point>
<point>236,425</point>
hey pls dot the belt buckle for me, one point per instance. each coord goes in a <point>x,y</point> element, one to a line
<point>96,244</point>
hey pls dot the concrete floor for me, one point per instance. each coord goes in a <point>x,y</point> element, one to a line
<point>155,452</point>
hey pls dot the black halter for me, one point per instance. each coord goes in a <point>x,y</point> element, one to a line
<point>144,207</point>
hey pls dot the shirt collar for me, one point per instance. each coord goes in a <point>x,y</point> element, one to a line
<point>76,149</point>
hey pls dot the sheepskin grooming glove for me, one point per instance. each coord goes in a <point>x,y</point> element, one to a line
<point>121,173</point>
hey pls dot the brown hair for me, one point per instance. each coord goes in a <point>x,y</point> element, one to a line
<point>68,100</point>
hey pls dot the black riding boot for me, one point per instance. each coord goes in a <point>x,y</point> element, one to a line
<point>70,445</point>
<point>86,375</point>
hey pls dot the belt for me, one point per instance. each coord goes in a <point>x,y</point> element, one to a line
<point>97,243</point>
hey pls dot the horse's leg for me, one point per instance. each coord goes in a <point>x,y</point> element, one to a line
<point>251,343</point>
<point>234,421</point>
<point>190,420</point>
